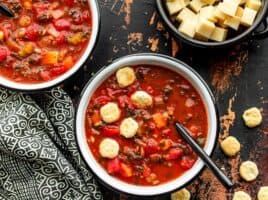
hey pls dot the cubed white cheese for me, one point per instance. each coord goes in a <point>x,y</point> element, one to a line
<point>175,6</point>
<point>209,2</point>
<point>239,12</point>
<point>254,4</point>
<point>248,16</point>
<point>200,37</point>
<point>196,5</point>
<point>219,14</point>
<point>232,22</point>
<point>187,27</point>
<point>219,34</point>
<point>228,7</point>
<point>205,27</point>
<point>208,12</point>
<point>185,14</point>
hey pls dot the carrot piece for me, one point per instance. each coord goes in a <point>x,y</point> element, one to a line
<point>68,62</point>
<point>50,58</point>
<point>160,120</point>
<point>96,118</point>
<point>126,171</point>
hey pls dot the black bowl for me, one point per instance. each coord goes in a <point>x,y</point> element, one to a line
<point>250,32</point>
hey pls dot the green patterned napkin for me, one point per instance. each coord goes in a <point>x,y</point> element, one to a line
<point>38,153</point>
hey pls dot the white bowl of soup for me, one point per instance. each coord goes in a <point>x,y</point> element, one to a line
<point>125,124</point>
<point>46,42</point>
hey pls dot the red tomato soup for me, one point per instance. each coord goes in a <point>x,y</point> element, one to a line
<point>130,124</point>
<point>44,39</point>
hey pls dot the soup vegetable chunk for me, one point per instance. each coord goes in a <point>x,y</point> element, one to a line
<point>44,39</point>
<point>129,124</point>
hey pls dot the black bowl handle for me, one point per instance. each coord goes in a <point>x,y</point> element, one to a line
<point>262,34</point>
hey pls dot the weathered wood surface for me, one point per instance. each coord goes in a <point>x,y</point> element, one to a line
<point>238,77</point>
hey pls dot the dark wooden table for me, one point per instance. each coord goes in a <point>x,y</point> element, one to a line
<point>238,77</point>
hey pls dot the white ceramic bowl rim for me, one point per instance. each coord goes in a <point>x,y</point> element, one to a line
<point>41,86</point>
<point>158,60</point>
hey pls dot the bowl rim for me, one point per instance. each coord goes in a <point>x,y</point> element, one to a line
<point>198,43</point>
<point>31,87</point>
<point>96,169</point>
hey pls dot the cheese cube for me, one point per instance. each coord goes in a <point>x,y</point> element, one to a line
<point>185,14</point>
<point>209,2</point>
<point>254,4</point>
<point>186,2</point>
<point>196,5</point>
<point>208,13</point>
<point>200,37</point>
<point>187,27</point>
<point>242,2</point>
<point>221,23</point>
<point>219,14</point>
<point>219,34</point>
<point>248,16</point>
<point>228,7</point>
<point>205,27</point>
<point>232,22</point>
<point>174,6</point>
<point>239,12</point>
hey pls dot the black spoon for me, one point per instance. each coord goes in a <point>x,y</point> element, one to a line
<point>6,11</point>
<point>202,154</point>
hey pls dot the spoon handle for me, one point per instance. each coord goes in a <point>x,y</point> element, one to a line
<point>202,154</point>
<point>5,10</point>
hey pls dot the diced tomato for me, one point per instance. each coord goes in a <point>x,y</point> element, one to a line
<point>134,87</point>
<point>3,54</point>
<point>78,19</point>
<point>61,39</point>
<point>167,131</point>
<point>150,90</point>
<point>45,75</point>
<point>151,146</point>
<point>165,144</point>
<point>146,171</point>
<point>174,154</point>
<point>151,125</point>
<point>113,166</point>
<point>69,3</point>
<point>110,131</point>
<point>85,15</point>
<point>160,120</point>
<point>62,24</point>
<point>56,14</point>
<point>32,32</point>
<point>158,100</point>
<point>40,7</point>
<point>124,101</point>
<point>193,130</point>
<point>187,163</point>
<point>55,71</point>
<point>126,170</point>
<point>112,93</point>
<point>52,31</point>
<point>102,100</point>
<point>7,28</point>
